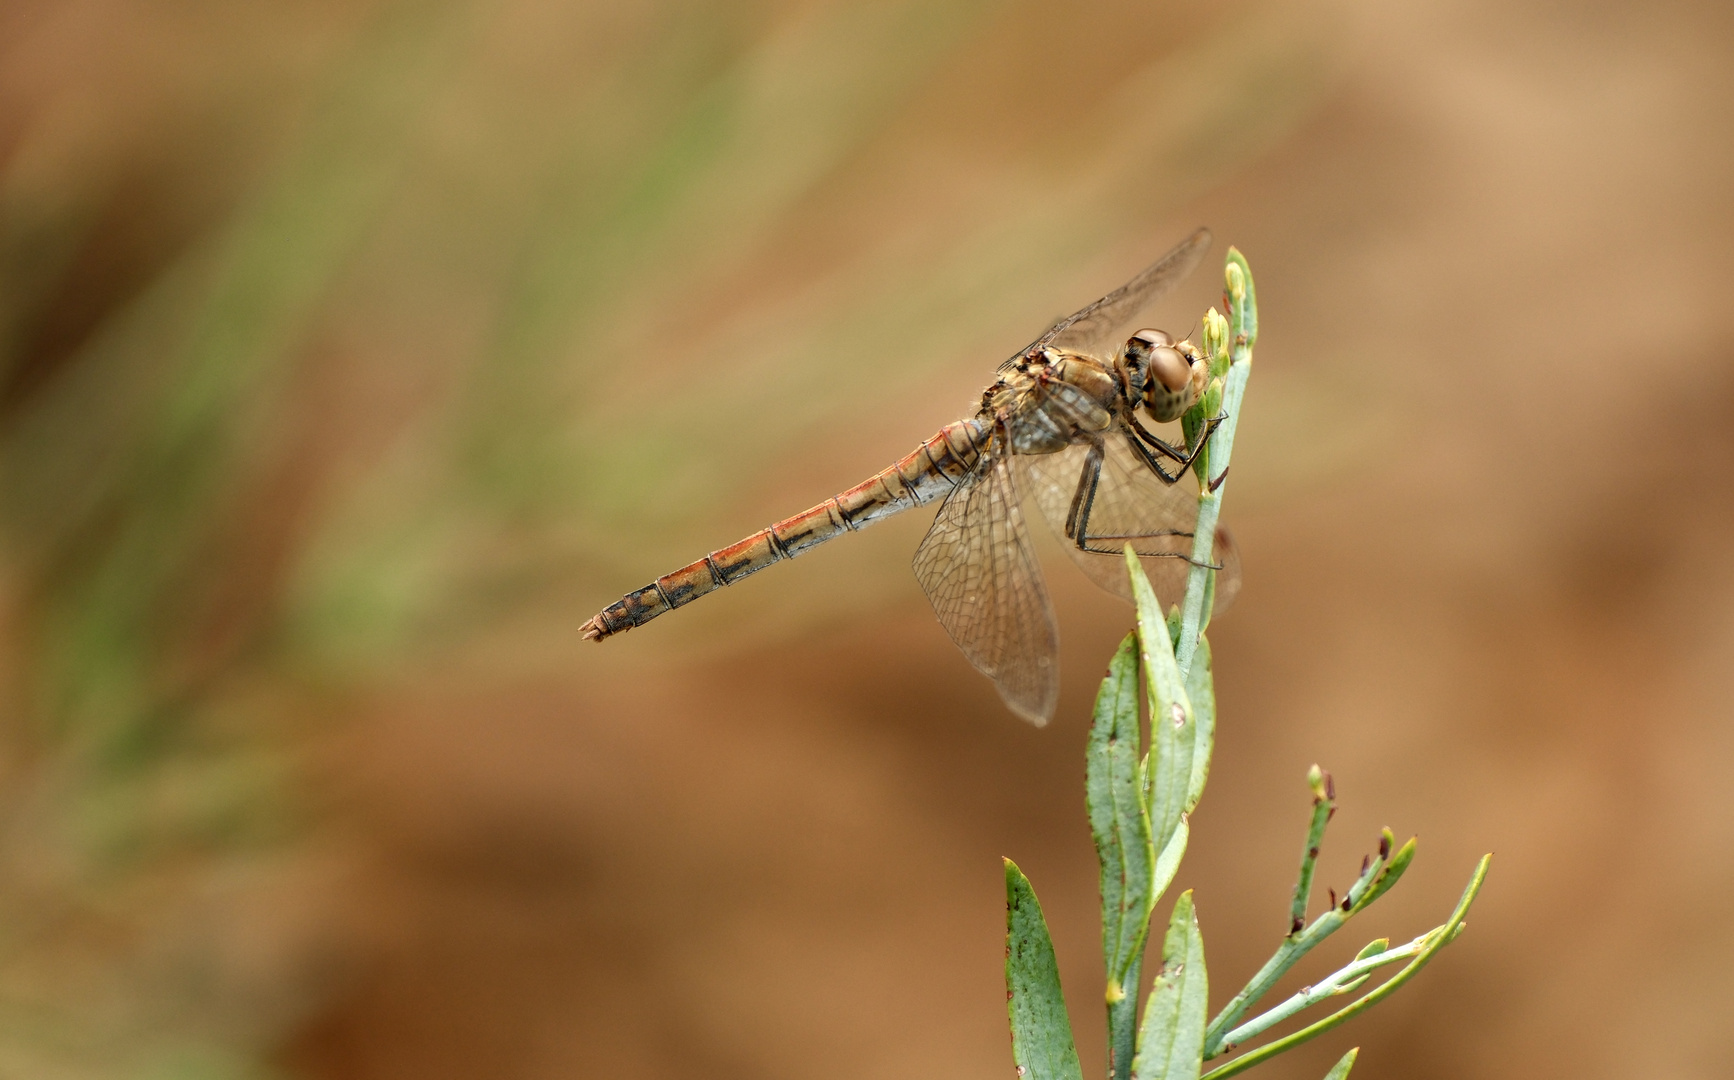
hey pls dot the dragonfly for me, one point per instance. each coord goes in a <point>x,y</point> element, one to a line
<point>1064,421</point>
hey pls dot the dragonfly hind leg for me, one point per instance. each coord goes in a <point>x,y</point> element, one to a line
<point>1083,501</point>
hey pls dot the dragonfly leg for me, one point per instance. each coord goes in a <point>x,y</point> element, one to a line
<point>1084,500</point>
<point>1183,458</point>
<point>1088,477</point>
<point>1143,454</point>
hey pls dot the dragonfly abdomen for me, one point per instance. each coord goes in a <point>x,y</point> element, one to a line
<point>924,475</point>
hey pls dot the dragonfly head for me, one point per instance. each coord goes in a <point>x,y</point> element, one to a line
<point>1164,377</point>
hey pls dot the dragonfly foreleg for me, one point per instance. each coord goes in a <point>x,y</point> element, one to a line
<point>1182,457</point>
<point>1142,453</point>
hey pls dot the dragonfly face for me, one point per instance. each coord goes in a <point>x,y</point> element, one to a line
<point>1165,378</point>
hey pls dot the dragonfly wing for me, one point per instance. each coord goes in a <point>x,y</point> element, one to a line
<point>1129,504</point>
<point>981,575</point>
<point>1096,329</point>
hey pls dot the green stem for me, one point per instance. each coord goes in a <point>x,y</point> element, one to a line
<point>1299,943</point>
<point>1324,805</point>
<point>1243,332</point>
<point>1441,938</point>
<point>1123,1025</point>
<point>1341,981</point>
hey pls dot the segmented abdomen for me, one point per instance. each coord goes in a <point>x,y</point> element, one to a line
<point>928,473</point>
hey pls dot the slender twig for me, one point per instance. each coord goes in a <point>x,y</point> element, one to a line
<point>1345,979</point>
<point>1441,937</point>
<point>1324,806</point>
<point>1379,875</point>
<point>1242,333</point>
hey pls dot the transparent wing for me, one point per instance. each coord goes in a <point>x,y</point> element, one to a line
<point>981,575</point>
<point>1129,503</point>
<point>1096,329</point>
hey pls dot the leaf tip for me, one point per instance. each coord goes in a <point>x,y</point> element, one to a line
<point>1341,1069</point>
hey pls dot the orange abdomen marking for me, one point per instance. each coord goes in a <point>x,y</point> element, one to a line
<point>925,474</point>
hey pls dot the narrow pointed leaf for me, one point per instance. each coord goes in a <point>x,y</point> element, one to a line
<point>1119,820</point>
<point>1392,870</point>
<point>1340,1071</point>
<point>1171,1040</point>
<point>1201,692</point>
<point>1168,861</point>
<point>1373,948</point>
<point>1042,1046</point>
<point>1242,308</point>
<point>1323,806</point>
<point>1173,729</point>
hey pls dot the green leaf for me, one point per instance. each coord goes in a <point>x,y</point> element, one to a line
<point>1201,692</point>
<point>1173,729</point>
<point>1340,1071</point>
<point>1171,1041</point>
<point>1374,948</point>
<point>1119,820</point>
<point>1389,873</point>
<point>1324,805</point>
<point>1168,861</point>
<point>1242,308</point>
<point>1042,1046</point>
<point>1123,1026</point>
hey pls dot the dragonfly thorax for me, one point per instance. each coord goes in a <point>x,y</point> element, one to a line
<point>1164,377</point>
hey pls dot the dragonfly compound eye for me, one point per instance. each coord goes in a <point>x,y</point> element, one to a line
<point>1140,344</point>
<point>1161,375</point>
<point>1170,368</point>
<point>1135,360</point>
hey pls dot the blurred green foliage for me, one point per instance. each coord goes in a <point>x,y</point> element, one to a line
<point>336,340</point>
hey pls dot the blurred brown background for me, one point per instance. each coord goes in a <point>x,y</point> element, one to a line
<point>352,354</point>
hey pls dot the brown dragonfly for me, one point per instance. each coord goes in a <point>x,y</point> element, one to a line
<point>1061,419</point>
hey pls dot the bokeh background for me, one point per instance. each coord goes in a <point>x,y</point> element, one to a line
<point>353,353</point>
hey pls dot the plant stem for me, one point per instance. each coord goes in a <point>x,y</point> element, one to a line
<point>1123,1025</point>
<point>1340,981</point>
<point>1324,805</point>
<point>1442,937</point>
<point>1243,332</point>
<point>1297,945</point>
